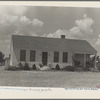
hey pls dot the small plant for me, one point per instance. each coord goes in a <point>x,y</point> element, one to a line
<point>41,65</point>
<point>20,66</point>
<point>77,63</point>
<point>34,67</point>
<point>85,69</point>
<point>88,66</point>
<point>69,68</point>
<point>57,67</point>
<point>26,67</point>
<point>51,66</point>
<point>98,66</point>
<point>11,68</point>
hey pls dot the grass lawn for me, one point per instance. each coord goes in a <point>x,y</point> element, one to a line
<point>49,78</point>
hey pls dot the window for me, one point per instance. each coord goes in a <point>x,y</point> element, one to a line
<point>32,55</point>
<point>22,55</point>
<point>65,56</point>
<point>56,56</point>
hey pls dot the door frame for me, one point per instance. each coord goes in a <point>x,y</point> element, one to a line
<point>44,58</point>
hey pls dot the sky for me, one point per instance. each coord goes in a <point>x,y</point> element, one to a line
<point>74,22</point>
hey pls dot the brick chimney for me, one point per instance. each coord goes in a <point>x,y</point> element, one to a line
<point>62,36</point>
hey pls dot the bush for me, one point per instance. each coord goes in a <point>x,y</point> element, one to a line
<point>51,66</point>
<point>34,67</point>
<point>37,67</point>
<point>11,68</point>
<point>26,67</point>
<point>98,66</point>
<point>41,65</point>
<point>77,63</point>
<point>85,69</point>
<point>69,68</point>
<point>57,67</point>
<point>19,66</point>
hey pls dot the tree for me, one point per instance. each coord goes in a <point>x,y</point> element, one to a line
<point>1,57</point>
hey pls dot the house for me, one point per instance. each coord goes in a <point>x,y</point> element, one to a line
<point>46,51</point>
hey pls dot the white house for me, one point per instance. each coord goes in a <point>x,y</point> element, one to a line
<point>43,50</point>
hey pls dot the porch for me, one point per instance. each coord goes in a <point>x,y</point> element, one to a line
<point>84,60</point>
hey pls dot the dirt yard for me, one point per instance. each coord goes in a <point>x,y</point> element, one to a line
<point>49,78</point>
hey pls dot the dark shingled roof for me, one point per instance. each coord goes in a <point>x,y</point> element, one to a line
<point>52,44</point>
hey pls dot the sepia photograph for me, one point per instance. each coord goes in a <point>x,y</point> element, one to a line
<point>49,46</point>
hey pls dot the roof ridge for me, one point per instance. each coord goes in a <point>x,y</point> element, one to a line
<point>48,37</point>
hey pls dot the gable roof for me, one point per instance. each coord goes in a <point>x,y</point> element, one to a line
<point>52,44</point>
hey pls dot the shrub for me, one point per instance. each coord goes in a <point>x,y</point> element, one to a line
<point>19,66</point>
<point>37,67</point>
<point>34,67</point>
<point>69,68</point>
<point>85,69</point>
<point>88,65</point>
<point>77,63</point>
<point>11,68</point>
<point>57,67</point>
<point>51,66</point>
<point>41,65</point>
<point>98,66</point>
<point>26,67</point>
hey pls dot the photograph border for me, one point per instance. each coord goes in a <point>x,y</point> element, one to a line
<point>11,93</point>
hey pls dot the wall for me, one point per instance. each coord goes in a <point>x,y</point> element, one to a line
<point>13,60</point>
<point>16,57</point>
<point>51,59</point>
<point>7,62</point>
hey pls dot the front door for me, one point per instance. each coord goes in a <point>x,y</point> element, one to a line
<point>44,58</point>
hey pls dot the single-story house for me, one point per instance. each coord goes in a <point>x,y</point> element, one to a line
<point>46,51</point>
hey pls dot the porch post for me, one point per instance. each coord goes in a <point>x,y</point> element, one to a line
<point>84,60</point>
<point>95,61</point>
<point>73,58</point>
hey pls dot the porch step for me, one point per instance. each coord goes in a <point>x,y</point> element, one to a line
<point>44,68</point>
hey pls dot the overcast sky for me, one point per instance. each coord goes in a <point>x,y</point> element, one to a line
<point>75,23</point>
